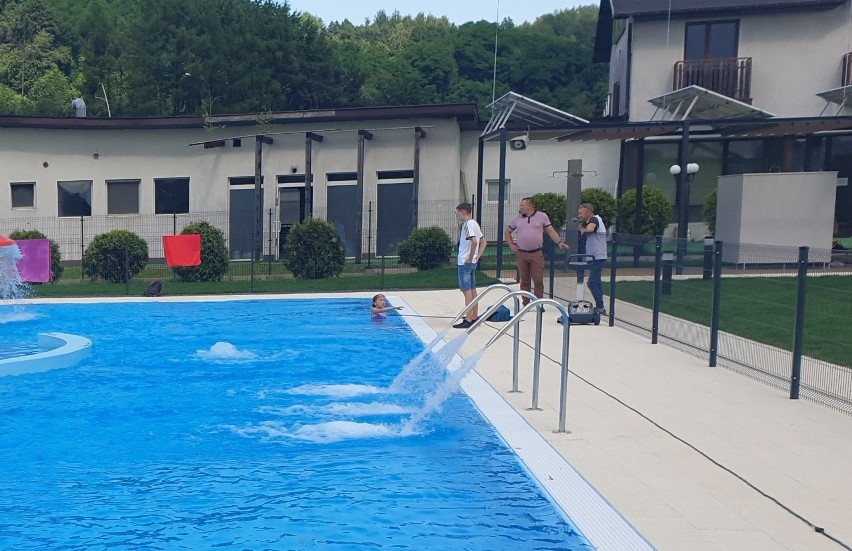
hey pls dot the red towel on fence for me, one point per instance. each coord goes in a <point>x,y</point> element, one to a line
<point>182,250</point>
<point>34,267</point>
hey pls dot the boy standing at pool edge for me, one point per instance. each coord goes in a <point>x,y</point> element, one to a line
<point>471,244</point>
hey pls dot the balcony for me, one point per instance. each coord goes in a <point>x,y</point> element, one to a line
<point>729,76</point>
<point>846,71</point>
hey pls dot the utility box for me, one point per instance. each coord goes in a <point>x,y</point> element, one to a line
<point>765,218</point>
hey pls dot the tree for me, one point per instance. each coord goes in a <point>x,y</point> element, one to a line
<point>656,212</point>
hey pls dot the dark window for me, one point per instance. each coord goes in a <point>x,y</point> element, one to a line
<point>23,195</point>
<point>395,174</point>
<point>243,180</point>
<point>122,196</point>
<point>171,195</point>
<point>341,176</point>
<point>75,198</point>
<point>712,40</point>
<point>291,178</point>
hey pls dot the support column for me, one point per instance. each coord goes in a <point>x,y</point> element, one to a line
<point>310,138</point>
<point>363,135</point>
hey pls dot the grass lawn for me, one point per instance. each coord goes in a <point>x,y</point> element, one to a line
<point>238,280</point>
<point>763,309</point>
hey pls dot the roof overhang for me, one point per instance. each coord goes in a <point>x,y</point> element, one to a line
<point>697,103</point>
<point>840,96</point>
<point>662,9</point>
<point>520,113</point>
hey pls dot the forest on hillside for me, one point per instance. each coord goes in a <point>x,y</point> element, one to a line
<point>190,57</point>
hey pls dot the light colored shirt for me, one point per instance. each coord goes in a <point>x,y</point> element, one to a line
<point>468,230</point>
<point>596,241</point>
<point>529,230</point>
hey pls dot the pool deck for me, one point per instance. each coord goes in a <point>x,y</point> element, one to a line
<point>696,458</point>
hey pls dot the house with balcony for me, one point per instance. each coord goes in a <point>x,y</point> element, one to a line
<point>734,86</point>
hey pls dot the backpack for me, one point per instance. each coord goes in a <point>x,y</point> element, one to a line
<point>501,314</point>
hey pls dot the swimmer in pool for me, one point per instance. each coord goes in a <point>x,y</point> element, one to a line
<point>380,308</point>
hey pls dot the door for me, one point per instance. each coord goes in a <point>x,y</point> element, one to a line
<point>242,217</point>
<point>342,214</point>
<point>291,211</point>
<point>393,219</point>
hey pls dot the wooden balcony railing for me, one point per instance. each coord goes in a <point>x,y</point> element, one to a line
<point>729,76</point>
<point>846,71</point>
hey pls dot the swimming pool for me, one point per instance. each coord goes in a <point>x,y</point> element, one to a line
<point>251,424</point>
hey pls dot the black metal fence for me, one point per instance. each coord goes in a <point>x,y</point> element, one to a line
<point>779,315</point>
<point>776,314</point>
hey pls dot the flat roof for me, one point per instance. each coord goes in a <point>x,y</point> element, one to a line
<point>465,113</point>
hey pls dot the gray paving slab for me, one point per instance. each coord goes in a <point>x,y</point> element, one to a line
<point>696,458</point>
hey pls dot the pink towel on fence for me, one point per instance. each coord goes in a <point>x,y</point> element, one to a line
<point>182,250</point>
<point>34,267</point>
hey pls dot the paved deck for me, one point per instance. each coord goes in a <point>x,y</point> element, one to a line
<point>696,458</point>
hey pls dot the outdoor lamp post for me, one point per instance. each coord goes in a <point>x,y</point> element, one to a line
<point>683,181</point>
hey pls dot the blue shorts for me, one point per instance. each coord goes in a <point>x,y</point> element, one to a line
<point>467,276</point>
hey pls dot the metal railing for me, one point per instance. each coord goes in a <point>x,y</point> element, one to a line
<point>775,314</point>
<point>537,304</point>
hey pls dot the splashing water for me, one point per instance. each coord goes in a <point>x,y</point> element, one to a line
<point>413,371</point>
<point>439,396</point>
<point>11,286</point>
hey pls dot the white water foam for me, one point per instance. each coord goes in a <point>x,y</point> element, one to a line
<point>332,431</point>
<point>351,409</point>
<point>336,391</point>
<point>226,352</point>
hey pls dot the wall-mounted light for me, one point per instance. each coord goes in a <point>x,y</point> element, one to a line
<point>294,169</point>
<point>96,155</point>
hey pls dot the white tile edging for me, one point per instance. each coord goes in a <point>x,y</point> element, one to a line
<point>65,350</point>
<point>575,498</point>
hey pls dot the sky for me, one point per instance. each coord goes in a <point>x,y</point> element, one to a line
<point>457,11</point>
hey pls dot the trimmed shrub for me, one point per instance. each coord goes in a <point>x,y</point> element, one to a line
<point>709,211</point>
<point>426,248</point>
<point>314,250</point>
<point>214,255</point>
<point>56,267</point>
<point>656,212</point>
<point>553,205</point>
<point>115,256</point>
<point>604,203</point>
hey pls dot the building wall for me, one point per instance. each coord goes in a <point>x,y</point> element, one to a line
<point>794,57</point>
<point>47,156</point>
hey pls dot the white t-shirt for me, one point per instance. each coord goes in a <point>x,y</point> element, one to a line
<point>468,229</point>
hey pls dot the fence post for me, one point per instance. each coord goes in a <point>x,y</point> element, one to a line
<point>552,278</point>
<point>82,248</point>
<point>668,262</point>
<point>369,231</point>
<point>126,266</point>
<point>798,333</point>
<point>612,269</point>
<point>707,272</point>
<point>382,274</point>
<point>271,251</point>
<point>174,223</point>
<point>658,265</point>
<point>717,301</point>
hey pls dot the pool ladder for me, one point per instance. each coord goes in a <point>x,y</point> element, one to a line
<point>538,304</point>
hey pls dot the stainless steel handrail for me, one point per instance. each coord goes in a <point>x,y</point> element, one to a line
<point>513,323</point>
<point>516,345</point>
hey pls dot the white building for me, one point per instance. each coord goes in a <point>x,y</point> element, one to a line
<point>377,173</point>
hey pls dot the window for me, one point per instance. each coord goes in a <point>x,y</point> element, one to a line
<point>23,195</point>
<point>75,198</point>
<point>122,196</point>
<point>171,195</point>
<point>493,193</point>
<point>713,40</point>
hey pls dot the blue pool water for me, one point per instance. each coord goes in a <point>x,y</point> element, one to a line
<point>263,424</point>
